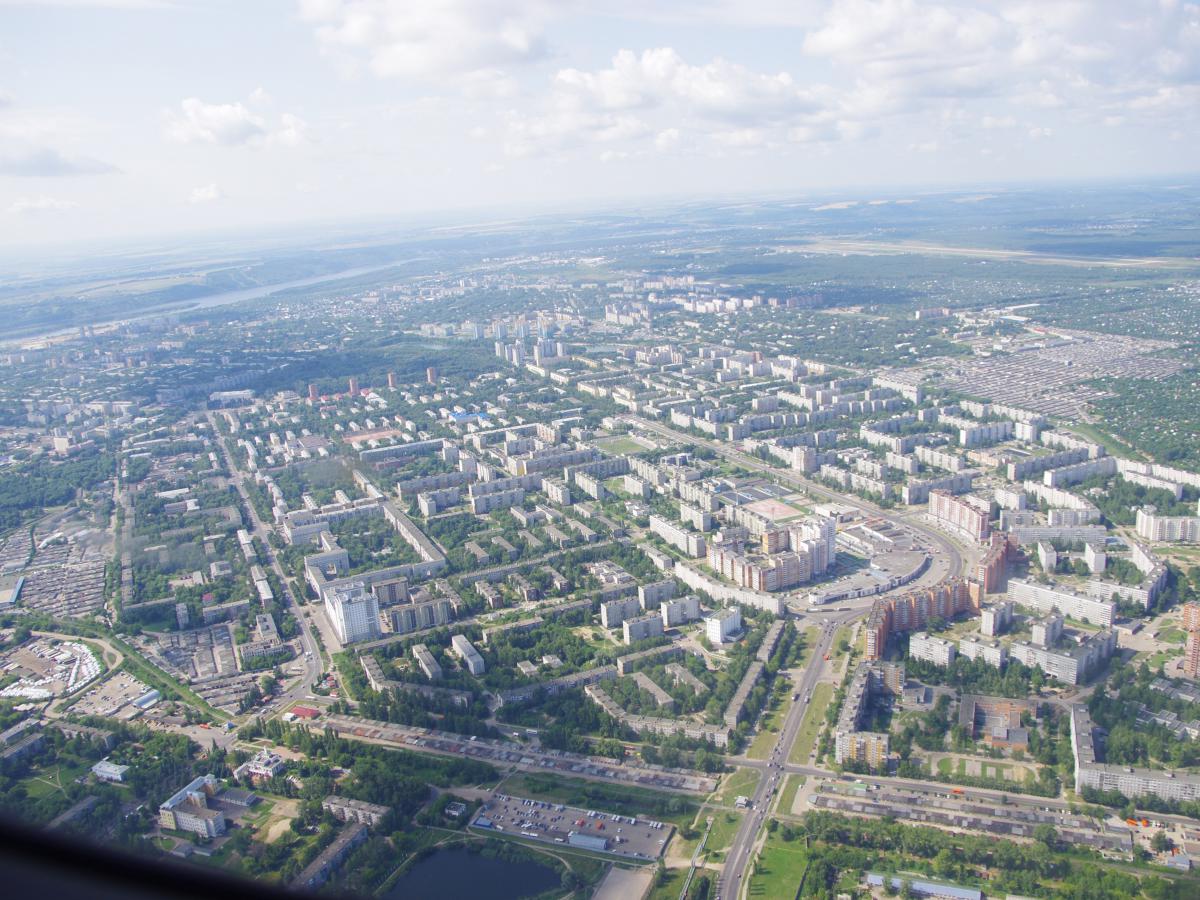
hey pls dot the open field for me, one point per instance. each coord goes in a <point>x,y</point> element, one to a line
<point>787,797</point>
<point>618,445</point>
<point>984,768</point>
<point>778,869</point>
<point>769,725</point>
<point>1027,256</point>
<point>806,737</point>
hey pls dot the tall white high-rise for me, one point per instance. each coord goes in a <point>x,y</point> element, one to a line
<point>354,613</point>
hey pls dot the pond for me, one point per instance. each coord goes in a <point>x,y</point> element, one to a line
<point>459,873</point>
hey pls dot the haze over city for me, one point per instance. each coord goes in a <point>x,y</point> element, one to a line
<point>143,118</point>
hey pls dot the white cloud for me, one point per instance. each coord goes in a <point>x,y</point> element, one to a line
<point>24,160</point>
<point>658,96</point>
<point>43,204</point>
<point>431,38</point>
<point>720,90</point>
<point>208,193</point>
<point>214,123</point>
<point>232,124</point>
<point>667,139</point>
<point>292,130</point>
<point>92,4</point>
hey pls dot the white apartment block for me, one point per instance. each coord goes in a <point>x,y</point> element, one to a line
<point>465,651</point>
<point>1073,606</point>
<point>641,628</point>
<point>431,668</point>
<point>932,649</point>
<point>1070,666</point>
<point>1173,529</point>
<point>614,612</point>
<point>681,539</point>
<point>681,611</point>
<point>723,624</point>
<point>993,653</point>
<point>652,594</point>
<point>994,619</point>
<point>353,612</point>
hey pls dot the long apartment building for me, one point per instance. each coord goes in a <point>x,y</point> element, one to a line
<point>1049,599</point>
<point>501,493</point>
<point>912,611</point>
<point>960,515</point>
<point>1130,781</point>
<point>1173,529</point>
<point>1070,665</point>
<point>717,735</point>
<point>851,744</point>
<point>687,542</point>
<point>461,647</point>
<point>409,617</point>
<point>930,648</point>
<point>776,572</point>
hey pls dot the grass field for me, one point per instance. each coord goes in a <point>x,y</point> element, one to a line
<point>743,781</point>
<point>810,638</point>
<point>770,723</point>
<point>787,798</point>
<point>52,780</point>
<point>619,445</point>
<point>777,869</point>
<point>806,738</point>
<point>670,885</point>
<point>724,828</point>
<point>996,771</point>
<point>1113,445</point>
<point>843,659</point>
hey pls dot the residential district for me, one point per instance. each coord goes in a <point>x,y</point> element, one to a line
<point>630,578</point>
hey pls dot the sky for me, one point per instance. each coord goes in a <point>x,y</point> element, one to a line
<point>134,118</point>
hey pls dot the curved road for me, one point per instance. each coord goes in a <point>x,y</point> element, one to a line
<point>947,562</point>
<point>953,556</point>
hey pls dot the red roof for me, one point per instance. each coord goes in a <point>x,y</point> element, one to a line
<point>305,712</point>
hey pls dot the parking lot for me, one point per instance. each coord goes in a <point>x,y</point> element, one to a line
<point>631,837</point>
<point>112,697</point>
